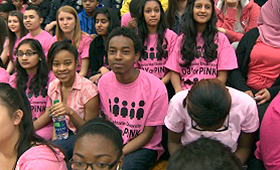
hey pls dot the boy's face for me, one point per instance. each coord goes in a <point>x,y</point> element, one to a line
<point>121,55</point>
<point>90,5</point>
<point>31,20</point>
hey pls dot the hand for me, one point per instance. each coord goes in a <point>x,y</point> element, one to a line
<point>132,24</point>
<point>232,3</point>
<point>222,30</point>
<point>95,78</point>
<point>250,93</point>
<point>262,96</point>
<point>93,36</point>
<point>60,109</point>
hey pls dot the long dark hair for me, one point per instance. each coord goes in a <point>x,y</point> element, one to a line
<point>170,13</point>
<point>161,28</point>
<point>12,36</point>
<point>13,100</point>
<point>189,48</point>
<point>39,82</point>
<point>3,33</point>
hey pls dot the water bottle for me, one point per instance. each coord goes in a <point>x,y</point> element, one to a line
<point>60,126</point>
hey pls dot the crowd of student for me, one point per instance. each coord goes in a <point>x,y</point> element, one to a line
<point>192,72</point>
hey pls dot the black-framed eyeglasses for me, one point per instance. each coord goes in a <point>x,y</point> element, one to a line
<point>221,129</point>
<point>78,165</point>
<point>27,54</point>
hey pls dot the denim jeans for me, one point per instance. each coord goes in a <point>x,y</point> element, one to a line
<point>141,159</point>
<point>67,145</point>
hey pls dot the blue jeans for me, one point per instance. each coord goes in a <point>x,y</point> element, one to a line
<point>67,145</point>
<point>142,159</point>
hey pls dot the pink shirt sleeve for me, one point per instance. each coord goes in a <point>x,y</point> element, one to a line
<point>268,148</point>
<point>84,46</point>
<point>5,77</point>
<point>172,62</point>
<point>226,55</point>
<point>125,19</point>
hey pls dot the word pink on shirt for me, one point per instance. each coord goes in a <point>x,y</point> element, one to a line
<point>81,92</point>
<point>151,61</point>
<point>83,50</point>
<point>243,116</point>
<point>44,38</point>
<point>38,103</point>
<point>132,107</point>
<point>200,69</point>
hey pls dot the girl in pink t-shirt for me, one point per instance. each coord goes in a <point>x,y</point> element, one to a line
<point>212,110</point>
<point>15,33</point>
<point>201,52</point>
<point>20,147</point>
<point>31,78</point>
<point>158,40</point>
<point>69,27</point>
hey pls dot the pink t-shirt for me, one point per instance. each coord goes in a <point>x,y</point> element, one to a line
<point>268,148</point>
<point>38,103</point>
<point>133,106</point>
<point>23,8</point>
<point>42,158</point>
<point>151,62</point>
<point>243,116</point>
<point>264,66</point>
<point>81,92</point>
<point>125,19</point>
<point>83,49</point>
<point>4,76</point>
<point>200,69</point>
<point>44,38</point>
<point>15,46</point>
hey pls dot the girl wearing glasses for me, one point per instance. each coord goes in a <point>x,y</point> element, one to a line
<point>15,33</point>
<point>104,153</point>
<point>32,78</point>
<point>69,27</point>
<point>212,110</point>
<point>20,147</point>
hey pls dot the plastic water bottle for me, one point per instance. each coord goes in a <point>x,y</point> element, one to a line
<point>60,126</point>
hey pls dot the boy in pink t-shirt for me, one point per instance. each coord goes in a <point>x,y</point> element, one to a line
<point>212,110</point>
<point>135,101</point>
<point>32,20</point>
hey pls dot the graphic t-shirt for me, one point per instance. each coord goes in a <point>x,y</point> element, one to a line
<point>133,106</point>
<point>44,38</point>
<point>151,62</point>
<point>38,103</point>
<point>200,69</point>
<point>243,116</point>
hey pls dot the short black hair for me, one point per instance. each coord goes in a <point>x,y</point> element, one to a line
<point>7,7</point>
<point>57,47</point>
<point>202,154</point>
<point>35,8</point>
<point>126,32</point>
<point>105,128</point>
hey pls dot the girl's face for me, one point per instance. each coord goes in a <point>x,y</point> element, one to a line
<point>202,11</point>
<point>64,66</point>
<point>101,24</point>
<point>8,129</point>
<point>31,20</point>
<point>152,13</point>
<point>101,152</point>
<point>28,58</point>
<point>13,24</point>
<point>66,22</point>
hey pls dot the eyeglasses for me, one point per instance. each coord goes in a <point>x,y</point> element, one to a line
<point>27,54</point>
<point>221,129</point>
<point>77,165</point>
<point>89,0</point>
